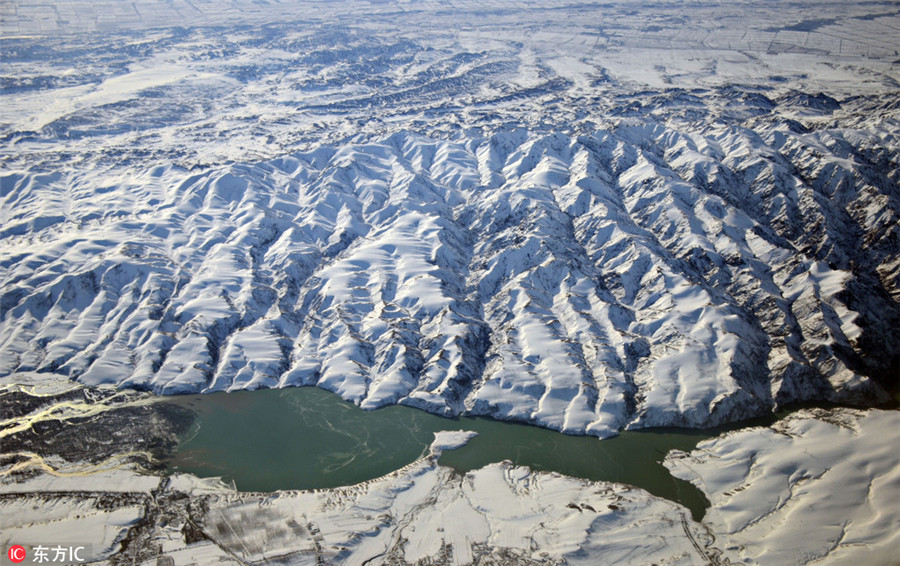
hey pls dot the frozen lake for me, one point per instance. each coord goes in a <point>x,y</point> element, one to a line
<point>308,438</point>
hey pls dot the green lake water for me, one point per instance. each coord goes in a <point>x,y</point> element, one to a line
<point>308,438</point>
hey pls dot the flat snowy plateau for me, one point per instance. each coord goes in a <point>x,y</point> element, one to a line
<point>587,217</point>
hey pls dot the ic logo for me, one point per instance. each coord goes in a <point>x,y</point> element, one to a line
<point>16,553</point>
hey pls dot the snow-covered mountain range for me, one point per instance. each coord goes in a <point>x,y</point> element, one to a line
<point>638,275</point>
<point>481,220</point>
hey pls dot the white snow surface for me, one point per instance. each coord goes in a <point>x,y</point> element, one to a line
<point>500,512</point>
<point>450,440</point>
<point>423,513</point>
<point>819,487</point>
<point>587,218</point>
<point>621,278</point>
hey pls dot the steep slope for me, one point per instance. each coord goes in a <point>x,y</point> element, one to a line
<point>637,275</point>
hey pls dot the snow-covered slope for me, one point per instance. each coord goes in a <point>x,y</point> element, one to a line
<point>639,275</point>
<point>819,487</point>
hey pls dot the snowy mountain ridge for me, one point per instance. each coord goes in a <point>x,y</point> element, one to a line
<point>637,275</point>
